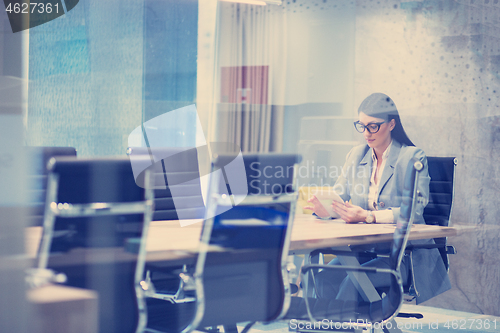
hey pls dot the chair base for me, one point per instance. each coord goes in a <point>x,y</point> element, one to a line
<point>410,315</point>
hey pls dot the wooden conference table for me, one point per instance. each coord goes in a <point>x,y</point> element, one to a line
<point>168,241</point>
<point>172,244</point>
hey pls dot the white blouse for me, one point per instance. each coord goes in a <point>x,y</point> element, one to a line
<point>386,215</point>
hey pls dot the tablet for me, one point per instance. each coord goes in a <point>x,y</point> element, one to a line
<point>326,200</point>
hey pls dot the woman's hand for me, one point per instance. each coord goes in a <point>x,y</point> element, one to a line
<point>317,207</point>
<point>349,212</point>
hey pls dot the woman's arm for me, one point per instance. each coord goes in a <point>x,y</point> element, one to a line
<point>354,214</point>
<point>350,213</point>
<point>422,188</point>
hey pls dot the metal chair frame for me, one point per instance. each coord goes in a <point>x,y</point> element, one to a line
<point>38,175</point>
<point>196,280</point>
<point>402,225</point>
<point>214,200</point>
<point>58,209</point>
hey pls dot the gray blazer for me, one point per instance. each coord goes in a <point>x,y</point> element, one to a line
<point>429,275</point>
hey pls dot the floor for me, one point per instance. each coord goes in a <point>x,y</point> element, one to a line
<point>435,320</point>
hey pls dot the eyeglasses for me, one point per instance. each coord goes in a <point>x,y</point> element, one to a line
<point>371,127</point>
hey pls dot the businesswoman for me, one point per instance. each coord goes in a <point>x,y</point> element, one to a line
<point>371,185</point>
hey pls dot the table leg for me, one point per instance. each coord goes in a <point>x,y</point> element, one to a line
<point>317,259</point>
<point>359,279</point>
<point>365,287</point>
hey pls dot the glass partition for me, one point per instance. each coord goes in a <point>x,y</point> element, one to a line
<point>285,76</point>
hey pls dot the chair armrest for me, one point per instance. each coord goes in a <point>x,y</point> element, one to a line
<point>424,246</point>
<point>450,249</point>
<point>343,253</point>
<point>307,268</point>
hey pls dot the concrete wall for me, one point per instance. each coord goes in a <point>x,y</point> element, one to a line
<point>439,61</point>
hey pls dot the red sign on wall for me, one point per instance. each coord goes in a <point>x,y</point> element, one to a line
<point>244,84</point>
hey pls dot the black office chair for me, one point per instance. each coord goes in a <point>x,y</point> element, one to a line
<point>240,272</point>
<point>438,210</point>
<point>95,225</point>
<point>364,313</point>
<point>177,196</point>
<point>38,158</point>
<point>177,192</point>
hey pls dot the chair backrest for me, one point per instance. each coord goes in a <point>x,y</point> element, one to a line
<point>94,229</point>
<point>442,173</point>
<point>177,193</point>
<point>441,191</point>
<point>241,268</point>
<point>38,158</point>
<point>264,174</point>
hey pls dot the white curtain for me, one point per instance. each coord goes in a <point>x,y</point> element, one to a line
<point>250,48</point>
